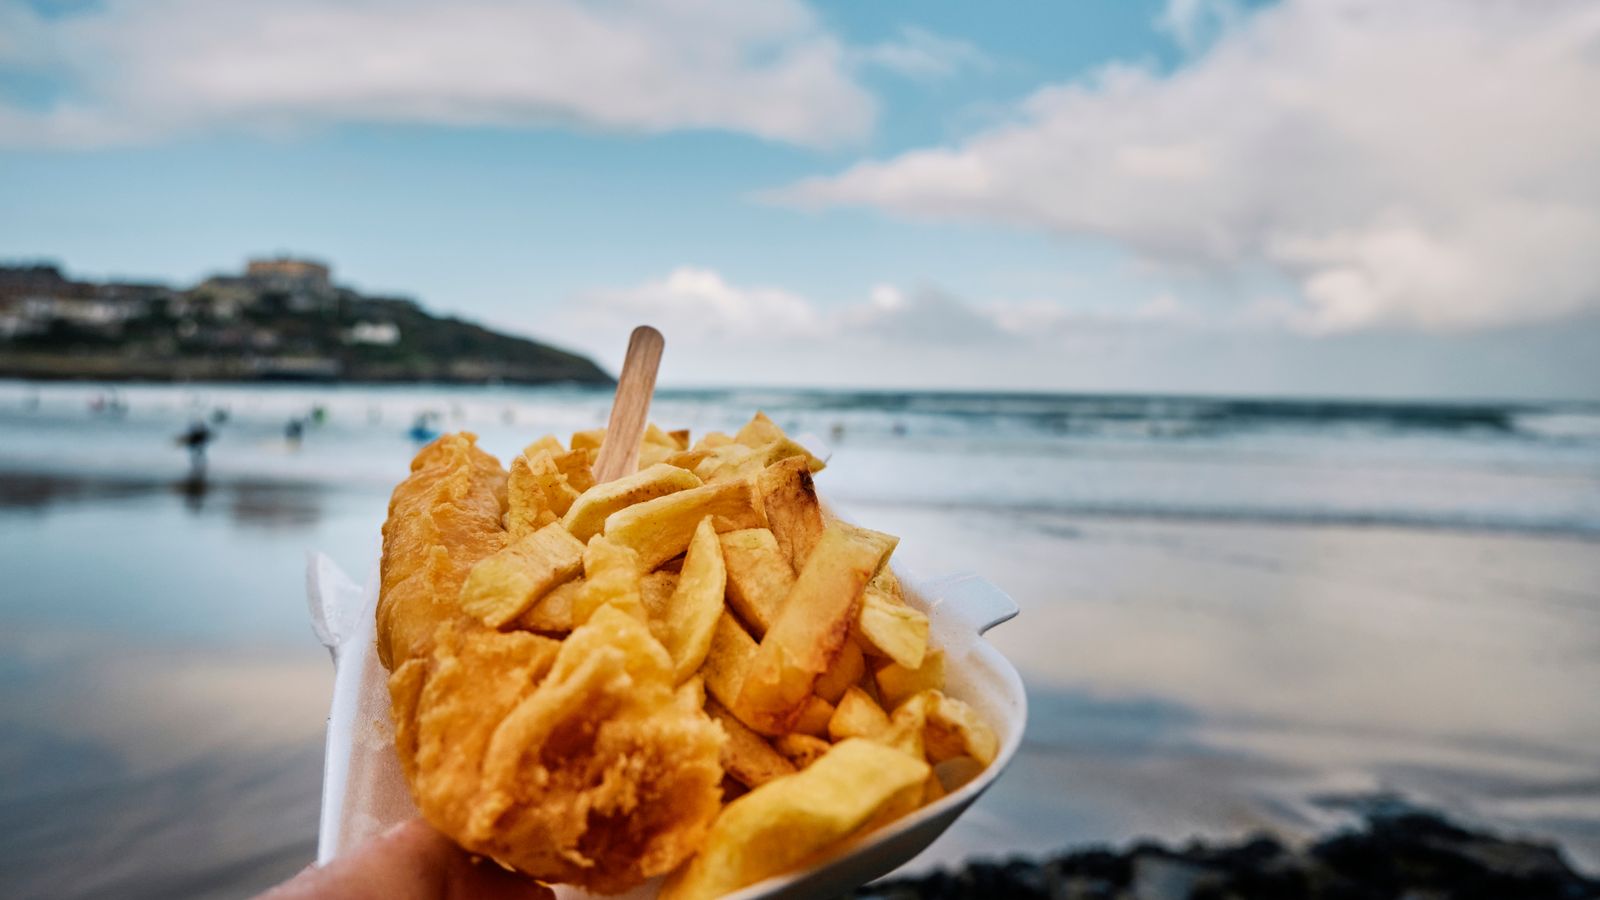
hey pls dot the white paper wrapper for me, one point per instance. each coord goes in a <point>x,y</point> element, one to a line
<point>363,792</point>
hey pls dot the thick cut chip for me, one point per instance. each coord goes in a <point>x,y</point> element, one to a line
<point>680,437</point>
<point>713,459</point>
<point>712,440</point>
<point>845,672</point>
<point>812,626</point>
<point>537,493</point>
<point>655,589</point>
<point>896,682</point>
<point>696,604</point>
<point>687,459</point>
<point>587,515</point>
<point>651,455</point>
<point>747,756</point>
<point>611,578</point>
<point>552,613</point>
<point>502,587</point>
<point>738,461</point>
<point>660,529</point>
<point>907,726</point>
<point>954,729</point>
<point>888,627</point>
<point>886,582</point>
<point>549,442</point>
<point>588,440</point>
<point>814,717</point>
<point>801,749</point>
<point>732,649</point>
<point>857,715</point>
<point>790,820</point>
<point>789,498</point>
<point>653,434</point>
<point>942,728</point>
<point>759,576</point>
<point>577,465</point>
<point>759,430</point>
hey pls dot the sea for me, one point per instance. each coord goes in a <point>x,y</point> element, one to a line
<point>1238,614</point>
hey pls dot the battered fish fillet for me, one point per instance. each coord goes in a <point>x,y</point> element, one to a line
<point>573,761</point>
<point>443,519</point>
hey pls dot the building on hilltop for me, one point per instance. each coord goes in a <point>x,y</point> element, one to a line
<point>306,285</point>
<point>287,273</point>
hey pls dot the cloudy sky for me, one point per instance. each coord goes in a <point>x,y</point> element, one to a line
<point>1346,197</point>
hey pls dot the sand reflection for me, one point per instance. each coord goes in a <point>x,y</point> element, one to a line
<point>179,771</point>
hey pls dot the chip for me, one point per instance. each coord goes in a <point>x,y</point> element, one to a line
<point>611,578</point>
<point>759,577</point>
<point>696,603</point>
<point>814,717</point>
<point>552,613</point>
<point>747,756</point>
<point>660,529</point>
<point>503,586</point>
<point>845,672</point>
<point>896,682</point>
<point>789,820</point>
<point>759,430</point>
<point>588,440</point>
<point>789,499</point>
<point>587,514</point>
<point>801,749</point>
<point>857,715</point>
<point>888,627</point>
<point>728,659</point>
<point>812,626</point>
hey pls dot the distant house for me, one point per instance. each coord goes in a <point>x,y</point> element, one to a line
<point>381,334</point>
<point>33,296</point>
<point>220,296</point>
<point>39,280</point>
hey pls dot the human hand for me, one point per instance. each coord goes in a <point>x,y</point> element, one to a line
<point>408,862</point>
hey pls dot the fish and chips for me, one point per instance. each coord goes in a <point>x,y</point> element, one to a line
<point>692,671</point>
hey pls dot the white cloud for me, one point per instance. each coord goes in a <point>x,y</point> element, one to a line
<point>919,53</point>
<point>131,71</point>
<point>723,332</point>
<point>1427,165</point>
<point>1193,23</point>
<point>701,306</point>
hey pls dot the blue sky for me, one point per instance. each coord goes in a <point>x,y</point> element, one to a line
<point>1105,195</point>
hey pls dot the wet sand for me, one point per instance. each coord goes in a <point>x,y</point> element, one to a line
<point>1214,679</point>
<point>1185,679</point>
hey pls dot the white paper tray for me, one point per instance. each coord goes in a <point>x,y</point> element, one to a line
<point>364,793</point>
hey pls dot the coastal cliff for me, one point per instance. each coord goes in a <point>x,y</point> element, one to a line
<point>282,319</point>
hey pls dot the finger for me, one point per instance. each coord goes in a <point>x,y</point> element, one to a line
<point>409,862</point>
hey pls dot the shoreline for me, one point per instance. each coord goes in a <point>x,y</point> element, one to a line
<point>32,483</point>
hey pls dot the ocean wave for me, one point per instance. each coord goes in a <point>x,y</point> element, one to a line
<point>1157,416</point>
<point>1581,527</point>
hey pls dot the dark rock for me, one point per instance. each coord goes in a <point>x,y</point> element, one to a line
<point>1400,853</point>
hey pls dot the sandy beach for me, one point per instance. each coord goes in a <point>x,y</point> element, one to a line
<point>1306,691</point>
<point>1188,676</point>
